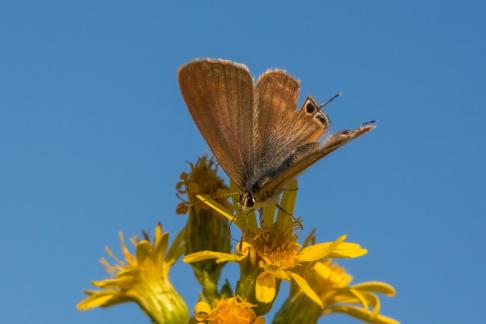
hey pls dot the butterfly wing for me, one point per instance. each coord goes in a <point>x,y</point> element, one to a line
<point>219,95</point>
<point>307,155</point>
<point>280,128</point>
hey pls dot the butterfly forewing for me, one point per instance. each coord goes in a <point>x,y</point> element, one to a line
<point>219,95</point>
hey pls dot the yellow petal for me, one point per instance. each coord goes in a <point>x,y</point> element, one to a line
<point>347,297</point>
<point>160,240</point>
<point>281,274</point>
<point>158,233</point>
<point>318,251</point>
<point>208,255</point>
<point>177,248</point>
<point>376,286</point>
<point>143,251</point>
<point>337,249</point>
<point>265,287</point>
<point>243,248</point>
<point>333,274</point>
<point>345,251</point>
<point>201,311</point>
<point>129,258</point>
<point>107,283</point>
<point>362,314</point>
<point>96,299</point>
<point>306,289</point>
<point>360,297</point>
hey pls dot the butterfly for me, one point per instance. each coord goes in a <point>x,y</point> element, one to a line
<point>254,129</point>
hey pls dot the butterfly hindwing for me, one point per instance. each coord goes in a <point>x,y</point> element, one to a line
<point>307,155</point>
<point>280,128</point>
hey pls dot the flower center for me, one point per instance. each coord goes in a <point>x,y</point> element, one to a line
<point>274,247</point>
<point>232,310</point>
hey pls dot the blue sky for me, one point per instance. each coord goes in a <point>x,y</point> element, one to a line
<point>94,133</point>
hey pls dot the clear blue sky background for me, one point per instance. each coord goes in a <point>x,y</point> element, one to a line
<point>94,133</point>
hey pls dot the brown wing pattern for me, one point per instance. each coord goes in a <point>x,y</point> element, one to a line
<point>219,95</point>
<point>280,128</point>
<point>296,166</point>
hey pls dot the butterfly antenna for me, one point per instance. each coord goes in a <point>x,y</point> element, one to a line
<point>339,94</point>
<point>229,194</point>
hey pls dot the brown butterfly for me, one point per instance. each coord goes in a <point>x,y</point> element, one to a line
<point>253,128</point>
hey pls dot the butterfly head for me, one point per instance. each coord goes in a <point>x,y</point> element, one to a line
<point>247,200</point>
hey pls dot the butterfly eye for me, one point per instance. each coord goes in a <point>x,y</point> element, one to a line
<point>310,108</point>
<point>250,203</point>
<point>247,200</point>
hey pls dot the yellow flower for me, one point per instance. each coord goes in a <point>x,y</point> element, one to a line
<point>279,257</point>
<point>332,284</point>
<point>271,253</point>
<point>142,278</point>
<point>234,310</point>
<point>339,296</point>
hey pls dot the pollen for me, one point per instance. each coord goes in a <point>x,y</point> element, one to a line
<point>275,247</point>
<point>233,310</point>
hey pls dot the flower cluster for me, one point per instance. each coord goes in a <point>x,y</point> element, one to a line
<point>267,253</point>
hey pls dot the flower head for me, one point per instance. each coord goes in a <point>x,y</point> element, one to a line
<point>332,284</point>
<point>205,229</point>
<point>142,278</point>
<point>339,296</point>
<point>270,253</point>
<point>234,310</point>
<point>202,179</point>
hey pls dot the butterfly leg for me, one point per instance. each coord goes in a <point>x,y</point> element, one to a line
<point>283,210</point>
<point>297,221</point>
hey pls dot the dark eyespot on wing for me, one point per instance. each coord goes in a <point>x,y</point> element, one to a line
<point>321,118</point>
<point>310,108</point>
